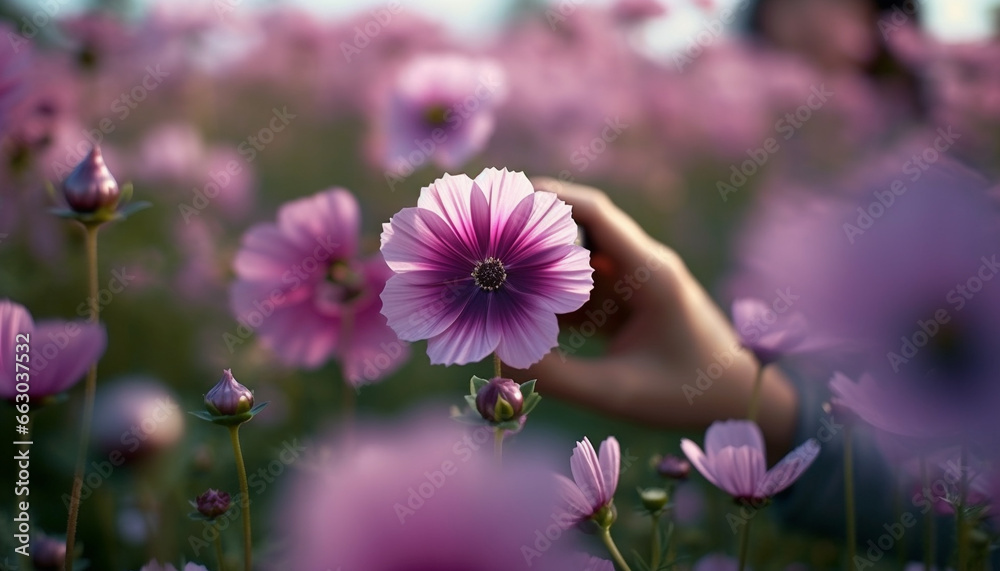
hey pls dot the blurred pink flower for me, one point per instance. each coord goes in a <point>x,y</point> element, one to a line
<point>595,478</point>
<point>769,334</point>
<point>155,565</point>
<point>439,110</point>
<point>735,461</point>
<point>60,352</point>
<point>308,294</point>
<point>481,266</point>
<point>432,492</point>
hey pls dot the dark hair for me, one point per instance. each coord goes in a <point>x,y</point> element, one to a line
<point>885,67</point>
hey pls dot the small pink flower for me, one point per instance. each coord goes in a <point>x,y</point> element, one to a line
<point>59,352</point>
<point>309,296</point>
<point>595,478</point>
<point>441,110</point>
<point>735,461</point>
<point>769,334</point>
<point>483,265</point>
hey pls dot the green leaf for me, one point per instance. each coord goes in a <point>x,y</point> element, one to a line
<point>530,402</point>
<point>202,414</point>
<point>528,388</point>
<point>471,399</point>
<point>477,383</point>
<point>255,410</point>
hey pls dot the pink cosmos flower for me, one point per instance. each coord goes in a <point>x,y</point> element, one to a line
<point>60,352</point>
<point>483,265</point>
<point>734,460</point>
<point>441,109</point>
<point>422,494</point>
<point>308,295</point>
<point>769,334</point>
<point>595,478</point>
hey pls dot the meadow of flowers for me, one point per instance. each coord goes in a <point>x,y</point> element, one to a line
<point>280,291</point>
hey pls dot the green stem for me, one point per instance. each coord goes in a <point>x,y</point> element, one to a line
<point>498,445</point>
<point>672,539</point>
<point>496,365</point>
<point>234,435</point>
<point>755,395</point>
<point>613,549</point>
<point>961,527</point>
<point>654,546</point>
<point>89,390</point>
<point>218,549</point>
<point>928,516</point>
<point>852,533</point>
<point>744,545</point>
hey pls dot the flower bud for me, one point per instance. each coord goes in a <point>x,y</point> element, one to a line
<point>228,397</point>
<point>500,400</point>
<point>91,187</point>
<point>674,467</point>
<point>212,503</point>
<point>48,553</point>
<point>654,499</point>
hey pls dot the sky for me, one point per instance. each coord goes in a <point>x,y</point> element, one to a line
<point>952,20</point>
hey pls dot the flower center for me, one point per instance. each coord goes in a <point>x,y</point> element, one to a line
<point>489,274</point>
<point>436,115</point>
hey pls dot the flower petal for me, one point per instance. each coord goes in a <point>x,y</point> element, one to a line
<point>330,220</point>
<point>574,499</point>
<point>266,254</point>
<point>733,433</point>
<point>739,470</point>
<point>80,344</point>
<point>526,333</point>
<point>559,280</point>
<point>586,468</point>
<point>611,459</point>
<point>503,190</point>
<point>421,240</point>
<point>416,311</point>
<point>698,459</point>
<point>14,319</point>
<point>784,473</point>
<point>469,338</point>
<point>450,197</point>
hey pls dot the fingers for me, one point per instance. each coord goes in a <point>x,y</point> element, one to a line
<point>611,230</point>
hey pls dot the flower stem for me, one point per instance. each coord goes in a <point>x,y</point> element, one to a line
<point>744,545</point>
<point>961,526</point>
<point>218,549</point>
<point>496,365</point>
<point>234,435</point>
<point>654,543</point>
<point>613,549</point>
<point>852,534</point>
<point>755,395</point>
<point>89,390</point>
<point>928,517</point>
<point>498,445</point>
